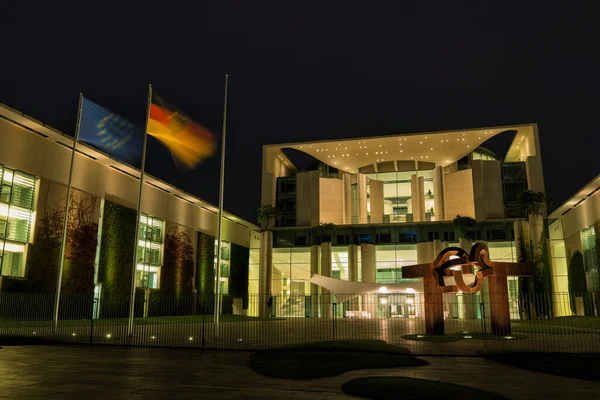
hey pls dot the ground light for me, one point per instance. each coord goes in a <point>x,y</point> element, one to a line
<point>190,338</point>
<point>108,335</point>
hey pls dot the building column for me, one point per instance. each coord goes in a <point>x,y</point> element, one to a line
<point>438,194</point>
<point>265,271</point>
<point>362,199</point>
<point>326,295</point>
<point>415,198</point>
<point>314,289</point>
<point>347,199</point>
<point>425,252</point>
<point>369,274</point>
<point>353,273</point>
<point>469,300</point>
<point>421,186</point>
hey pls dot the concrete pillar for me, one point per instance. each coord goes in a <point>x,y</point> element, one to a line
<point>347,199</point>
<point>326,311</point>
<point>362,198</point>
<point>415,198</point>
<point>353,272</point>
<point>518,228</point>
<point>439,207</point>
<point>369,274</point>
<point>499,311</point>
<point>425,253</point>
<point>421,186</point>
<point>469,300</point>
<point>536,226</point>
<point>376,201</point>
<point>314,289</point>
<point>265,272</point>
<point>438,246</point>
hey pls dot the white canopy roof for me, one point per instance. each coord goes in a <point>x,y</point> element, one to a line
<point>345,290</point>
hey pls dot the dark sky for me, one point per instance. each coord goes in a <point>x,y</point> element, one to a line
<point>302,70</point>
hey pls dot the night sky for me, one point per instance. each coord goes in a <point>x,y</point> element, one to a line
<point>302,70</point>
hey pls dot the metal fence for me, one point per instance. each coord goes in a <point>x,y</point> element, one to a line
<point>557,322</point>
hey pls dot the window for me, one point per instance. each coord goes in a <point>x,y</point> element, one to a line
<point>149,252</point>
<point>17,195</point>
<point>590,257</point>
<point>224,269</point>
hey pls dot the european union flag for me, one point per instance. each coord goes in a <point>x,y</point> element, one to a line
<point>111,133</point>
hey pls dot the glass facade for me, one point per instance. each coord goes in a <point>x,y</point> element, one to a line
<point>291,272</point>
<point>150,251</point>
<point>17,198</point>
<point>590,257</point>
<point>224,273</point>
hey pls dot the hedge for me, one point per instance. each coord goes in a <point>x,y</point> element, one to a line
<point>116,259</point>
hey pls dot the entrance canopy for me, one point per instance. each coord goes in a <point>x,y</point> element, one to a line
<point>345,290</point>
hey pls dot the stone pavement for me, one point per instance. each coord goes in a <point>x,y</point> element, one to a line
<point>80,372</point>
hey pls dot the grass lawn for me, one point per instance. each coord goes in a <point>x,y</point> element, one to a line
<point>453,337</point>
<point>182,319</point>
<point>559,325</point>
<point>395,387</point>
<point>581,366</point>
<point>325,359</point>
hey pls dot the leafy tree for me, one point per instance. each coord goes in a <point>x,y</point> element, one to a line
<point>577,284</point>
<point>266,217</point>
<point>324,231</point>
<point>532,202</point>
<point>462,224</point>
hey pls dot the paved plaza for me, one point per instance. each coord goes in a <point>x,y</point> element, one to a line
<point>106,372</point>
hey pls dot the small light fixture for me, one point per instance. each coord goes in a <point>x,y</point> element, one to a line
<point>190,338</point>
<point>108,335</point>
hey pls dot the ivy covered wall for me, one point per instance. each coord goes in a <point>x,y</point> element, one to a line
<point>238,273</point>
<point>205,270</point>
<point>116,258</point>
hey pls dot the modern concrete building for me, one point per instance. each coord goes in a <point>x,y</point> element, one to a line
<point>574,226</point>
<point>34,170</point>
<point>392,200</point>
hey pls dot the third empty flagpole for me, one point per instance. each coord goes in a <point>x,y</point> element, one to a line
<point>220,222</point>
<point>63,243</point>
<point>137,221</point>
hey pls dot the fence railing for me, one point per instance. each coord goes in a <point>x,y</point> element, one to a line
<point>559,322</point>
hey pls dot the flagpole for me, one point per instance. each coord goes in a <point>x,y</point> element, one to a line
<point>137,220</point>
<point>220,222</point>
<point>66,217</point>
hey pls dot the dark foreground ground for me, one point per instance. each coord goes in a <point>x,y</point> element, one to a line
<point>99,372</point>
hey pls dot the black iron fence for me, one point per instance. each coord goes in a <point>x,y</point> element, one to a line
<point>559,322</point>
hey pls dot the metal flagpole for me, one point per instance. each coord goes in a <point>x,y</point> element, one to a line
<point>66,217</point>
<point>137,220</point>
<point>220,222</point>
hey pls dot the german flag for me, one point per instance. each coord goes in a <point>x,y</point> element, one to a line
<point>188,142</point>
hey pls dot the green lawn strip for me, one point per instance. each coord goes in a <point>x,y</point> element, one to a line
<point>326,359</point>
<point>453,337</point>
<point>396,387</point>
<point>550,329</point>
<point>580,366</point>
<point>559,325</point>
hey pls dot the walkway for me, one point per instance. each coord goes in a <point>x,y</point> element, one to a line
<point>80,372</point>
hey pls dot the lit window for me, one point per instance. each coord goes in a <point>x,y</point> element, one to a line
<point>149,252</point>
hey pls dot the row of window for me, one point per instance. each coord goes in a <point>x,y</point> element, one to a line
<point>17,195</point>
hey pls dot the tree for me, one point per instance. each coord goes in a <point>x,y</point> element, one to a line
<point>324,231</point>
<point>577,284</point>
<point>532,202</point>
<point>461,224</point>
<point>266,217</point>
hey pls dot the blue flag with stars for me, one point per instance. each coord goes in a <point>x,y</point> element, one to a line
<point>111,133</point>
